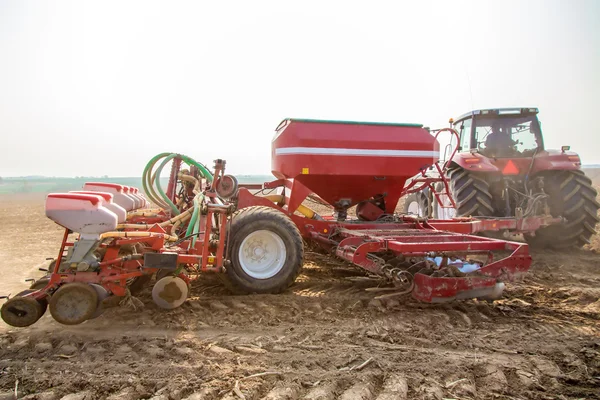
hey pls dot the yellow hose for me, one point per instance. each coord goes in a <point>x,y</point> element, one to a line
<point>107,235</point>
<point>181,217</point>
<point>277,198</point>
<point>144,213</point>
<point>189,178</point>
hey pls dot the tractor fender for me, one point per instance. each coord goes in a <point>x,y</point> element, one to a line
<point>555,160</point>
<point>473,162</point>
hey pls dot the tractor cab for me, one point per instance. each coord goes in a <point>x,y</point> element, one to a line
<point>500,133</point>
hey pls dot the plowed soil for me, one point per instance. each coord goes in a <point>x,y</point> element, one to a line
<point>325,338</point>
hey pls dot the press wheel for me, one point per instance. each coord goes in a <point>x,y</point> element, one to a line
<point>43,302</point>
<point>73,303</point>
<point>170,292</point>
<point>21,311</point>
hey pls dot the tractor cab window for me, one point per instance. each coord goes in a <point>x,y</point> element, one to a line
<point>464,130</point>
<point>515,136</point>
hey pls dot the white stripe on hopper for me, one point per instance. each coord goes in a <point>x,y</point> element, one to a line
<point>329,151</point>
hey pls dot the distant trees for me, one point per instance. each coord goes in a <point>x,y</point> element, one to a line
<point>1,180</point>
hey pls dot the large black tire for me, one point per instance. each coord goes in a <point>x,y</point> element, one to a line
<point>253,221</point>
<point>572,196</point>
<point>471,194</point>
<point>423,199</point>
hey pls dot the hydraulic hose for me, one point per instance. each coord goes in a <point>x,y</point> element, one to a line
<point>151,212</point>
<point>151,181</point>
<point>159,186</point>
<point>181,217</point>
<point>146,181</point>
<point>195,213</point>
<point>107,235</point>
<point>151,178</point>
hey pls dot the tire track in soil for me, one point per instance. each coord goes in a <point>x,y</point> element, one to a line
<point>316,336</point>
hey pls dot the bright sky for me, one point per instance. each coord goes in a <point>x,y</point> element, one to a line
<point>95,88</point>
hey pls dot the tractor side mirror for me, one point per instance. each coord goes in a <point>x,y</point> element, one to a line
<point>565,148</point>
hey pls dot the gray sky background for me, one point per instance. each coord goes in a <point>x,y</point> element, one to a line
<point>95,88</point>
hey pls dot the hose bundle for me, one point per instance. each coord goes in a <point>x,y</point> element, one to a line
<point>179,208</point>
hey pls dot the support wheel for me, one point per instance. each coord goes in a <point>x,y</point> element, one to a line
<point>21,311</point>
<point>170,292</point>
<point>73,303</point>
<point>43,302</point>
<point>572,196</point>
<point>418,204</point>
<point>266,251</point>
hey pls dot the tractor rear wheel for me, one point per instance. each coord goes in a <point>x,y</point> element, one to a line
<point>572,196</point>
<point>266,251</point>
<point>471,194</point>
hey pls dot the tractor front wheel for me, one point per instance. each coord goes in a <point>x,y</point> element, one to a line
<point>572,196</point>
<point>265,249</point>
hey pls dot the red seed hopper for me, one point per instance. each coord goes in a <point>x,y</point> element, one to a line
<point>346,163</point>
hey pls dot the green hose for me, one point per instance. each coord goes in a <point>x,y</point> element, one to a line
<point>147,184</point>
<point>149,178</point>
<point>195,214</point>
<point>206,174</point>
<point>172,206</point>
<point>196,228</point>
<point>154,191</point>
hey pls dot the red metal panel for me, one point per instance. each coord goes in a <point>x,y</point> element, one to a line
<point>352,161</point>
<point>435,289</point>
<point>544,160</point>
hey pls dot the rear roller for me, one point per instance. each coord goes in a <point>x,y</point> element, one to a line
<point>266,251</point>
<point>73,303</point>
<point>22,311</point>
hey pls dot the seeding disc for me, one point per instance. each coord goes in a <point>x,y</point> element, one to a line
<point>102,294</point>
<point>73,303</point>
<point>170,292</point>
<point>21,311</point>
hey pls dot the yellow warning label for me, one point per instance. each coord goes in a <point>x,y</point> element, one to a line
<point>304,171</point>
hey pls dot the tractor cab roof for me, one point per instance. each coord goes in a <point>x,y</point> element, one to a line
<point>498,112</point>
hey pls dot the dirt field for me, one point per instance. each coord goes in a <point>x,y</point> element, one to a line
<point>323,339</point>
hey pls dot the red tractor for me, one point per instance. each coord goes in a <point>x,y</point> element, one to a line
<point>500,168</point>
